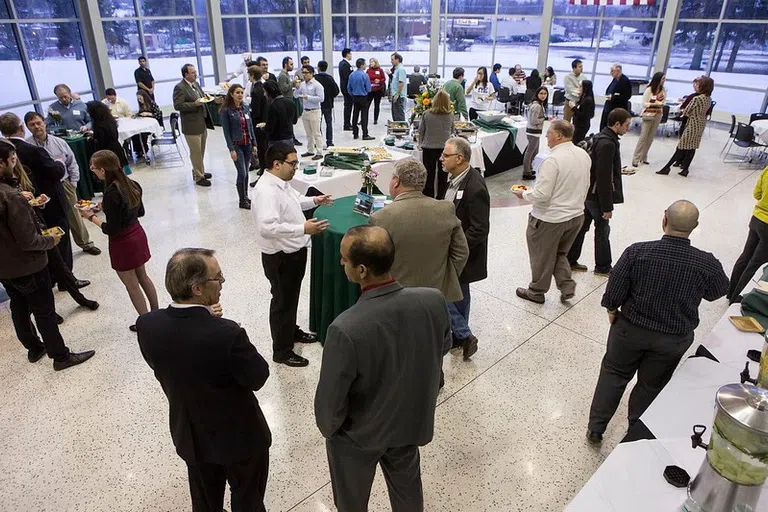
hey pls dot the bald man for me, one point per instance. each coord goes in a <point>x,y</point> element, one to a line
<point>653,298</point>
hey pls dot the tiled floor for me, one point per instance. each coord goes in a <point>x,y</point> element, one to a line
<point>510,424</point>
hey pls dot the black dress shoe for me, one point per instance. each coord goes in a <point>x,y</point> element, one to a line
<point>293,360</point>
<point>664,171</point>
<point>646,163</point>
<point>469,347</point>
<point>203,183</point>
<point>677,164</point>
<point>81,283</point>
<point>132,328</point>
<point>368,137</point>
<point>254,182</point>
<point>245,205</point>
<point>90,304</point>
<point>594,437</point>
<point>529,176</point>
<point>73,359</point>
<point>355,137</point>
<point>524,294</point>
<point>297,142</point>
<point>92,249</point>
<point>207,175</point>
<point>305,337</point>
<point>347,128</point>
<point>683,173</point>
<point>307,154</point>
<point>59,319</point>
<point>35,355</point>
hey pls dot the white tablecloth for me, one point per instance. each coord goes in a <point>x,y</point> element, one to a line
<point>348,183</point>
<point>761,130</point>
<point>128,127</point>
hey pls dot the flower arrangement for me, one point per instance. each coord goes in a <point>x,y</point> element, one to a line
<point>55,115</point>
<point>369,177</point>
<point>424,101</point>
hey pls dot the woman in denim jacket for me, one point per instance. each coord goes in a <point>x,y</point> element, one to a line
<point>241,141</point>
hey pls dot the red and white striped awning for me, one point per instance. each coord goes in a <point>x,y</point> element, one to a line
<point>611,2</point>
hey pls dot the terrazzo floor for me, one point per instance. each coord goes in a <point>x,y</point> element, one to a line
<point>510,424</point>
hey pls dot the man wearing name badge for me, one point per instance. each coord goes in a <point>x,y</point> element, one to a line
<point>313,95</point>
<point>377,392</point>
<point>67,112</point>
<point>144,79</point>
<point>283,235</point>
<point>573,88</point>
<point>195,121</point>
<point>397,89</point>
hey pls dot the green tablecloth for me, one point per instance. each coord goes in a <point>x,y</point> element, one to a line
<point>213,111</point>
<point>330,292</point>
<point>88,183</point>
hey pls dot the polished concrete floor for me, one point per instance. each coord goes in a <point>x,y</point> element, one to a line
<point>510,424</point>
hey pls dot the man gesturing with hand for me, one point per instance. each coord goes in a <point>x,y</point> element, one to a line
<point>283,235</point>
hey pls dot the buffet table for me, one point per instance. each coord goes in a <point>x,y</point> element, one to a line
<point>88,185</point>
<point>761,130</point>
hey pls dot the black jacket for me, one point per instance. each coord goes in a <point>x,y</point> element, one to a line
<point>46,174</point>
<point>620,92</point>
<point>605,174</point>
<point>209,370</point>
<point>259,103</point>
<point>280,115</point>
<point>105,137</point>
<point>329,87</point>
<point>345,69</point>
<point>584,111</point>
<point>473,209</point>
<point>118,214</point>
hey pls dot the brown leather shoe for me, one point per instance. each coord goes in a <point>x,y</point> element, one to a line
<point>469,347</point>
<point>523,293</point>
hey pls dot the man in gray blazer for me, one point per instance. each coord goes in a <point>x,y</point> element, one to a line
<point>195,121</point>
<point>430,247</point>
<point>376,398</point>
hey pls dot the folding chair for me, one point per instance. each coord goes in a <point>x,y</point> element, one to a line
<point>745,138</point>
<point>169,138</point>
<point>731,134</point>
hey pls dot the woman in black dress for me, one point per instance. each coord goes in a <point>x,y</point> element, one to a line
<point>147,108</point>
<point>583,112</point>
<point>104,128</point>
<point>128,247</point>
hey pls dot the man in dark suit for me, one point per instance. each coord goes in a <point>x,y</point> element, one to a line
<point>469,194</point>
<point>195,121</point>
<point>376,398</point>
<point>617,94</point>
<point>209,370</point>
<point>46,174</point>
<point>345,69</point>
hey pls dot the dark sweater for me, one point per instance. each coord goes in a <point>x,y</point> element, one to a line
<point>605,185</point>
<point>259,103</point>
<point>105,137</point>
<point>280,117</point>
<point>119,215</point>
<point>22,246</point>
<point>329,87</point>
<point>584,110</point>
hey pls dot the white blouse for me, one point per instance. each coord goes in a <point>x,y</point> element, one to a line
<point>480,99</point>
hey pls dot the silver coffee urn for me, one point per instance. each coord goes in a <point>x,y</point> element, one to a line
<point>735,469</point>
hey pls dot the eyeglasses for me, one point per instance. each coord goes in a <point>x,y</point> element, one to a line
<point>219,278</point>
<point>293,163</point>
<point>448,155</point>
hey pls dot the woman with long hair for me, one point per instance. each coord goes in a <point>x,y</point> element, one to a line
<point>128,247</point>
<point>147,108</point>
<point>435,129</point>
<point>549,77</point>
<point>104,128</point>
<point>583,112</point>
<point>482,92</point>
<point>536,118</point>
<point>236,123</point>
<point>378,81</point>
<point>696,112</point>
<point>533,82</point>
<point>653,108</point>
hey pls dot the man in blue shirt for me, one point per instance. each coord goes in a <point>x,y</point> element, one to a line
<point>397,88</point>
<point>67,112</point>
<point>494,79</point>
<point>359,87</point>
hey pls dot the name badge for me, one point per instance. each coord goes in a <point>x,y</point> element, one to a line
<point>75,112</point>
<point>459,194</point>
<point>247,116</point>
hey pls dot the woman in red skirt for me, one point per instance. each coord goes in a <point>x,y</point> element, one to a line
<point>128,248</point>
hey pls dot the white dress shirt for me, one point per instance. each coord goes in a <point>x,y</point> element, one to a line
<point>278,209</point>
<point>562,184</point>
<point>120,108</point>
<point>315,94</point>
<point>454,183</point>
<point>187,306</point>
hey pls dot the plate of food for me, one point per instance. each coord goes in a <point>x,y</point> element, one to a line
<point>379,154</point>
<point>464,125</point>
<point>398,125</point>
<point>39,201</point>
<point>345,151</point>
<point>520,188</point>
<point>56,230</point>
<point>207,98</point>
<point>84,204</point>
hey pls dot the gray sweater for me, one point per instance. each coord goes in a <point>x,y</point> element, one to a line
<point>535,118</point>
<point>435,130</point>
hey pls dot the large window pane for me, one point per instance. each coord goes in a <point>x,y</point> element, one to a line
<point>633,11</point>
<point>309,7</point>
<point>170,45</point>
<point>692,9</point>
<point>741,56</point>
<point>413,40</point>
<point>471,6</point>
<point>15,88</point>
<point>369,6</point>
<point>165,7</point>
<point>272,37</point>
<point>691,50</point>
<point>232,6</point>
<point>628,42</point>
<point>56,52</point>
<point>517,41</point>
<point>117,8</point>
<point>311,34</point>
<point>48,9</point>
<point>3,11</point>
<point>339,6</point>
<point>271,7</point>
<point>235,36</point>
<point>339,33</point>
<point>460,36</point>
<point>123,49</point>
<point>747,9</point>
<point>415,6</point>
<point>527,7</point>
<point>564,8</point>
<point>370,34</point>
<point>572,39</point>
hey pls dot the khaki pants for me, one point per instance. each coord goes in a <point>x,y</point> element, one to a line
<point>567,110</point>
<point>647,133</point>
<point>311,120</point>
<point>548,246</point>
<point>196,145</point>
<point>76,222</point>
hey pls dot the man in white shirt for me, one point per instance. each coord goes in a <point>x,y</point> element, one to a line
<point>117,106</point>
<point>311,92</point>
<point>283,235</point>
<point>573,88</point>
<point>557,214</point>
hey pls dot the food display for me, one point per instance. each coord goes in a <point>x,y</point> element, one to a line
<point>56,230</point>
<point>397,128</point>
<point>378,154</point>
<point>464,125</point>
<point>40,200</point>
<point>521,188</point>
<point>345,151</point>
<point>84,204</point>
<point>207,98</point>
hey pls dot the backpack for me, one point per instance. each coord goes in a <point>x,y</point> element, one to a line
<point>588,144</point>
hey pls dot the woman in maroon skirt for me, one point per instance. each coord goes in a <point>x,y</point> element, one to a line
<point>128,248</point>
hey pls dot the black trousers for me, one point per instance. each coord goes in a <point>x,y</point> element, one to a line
<point>682,156</point>
<point>754,255</point>
<point>353,469</point>
<point>347,109</point>
<point>431,159</point>
<point>653,355</point>
<point>473,114</point>
<point>285,273</point>
<point>580,130</point>
<point>262,142</point>
<point>32,295</point>
<point>247,481</point>
<point>360,114</point>
<point>328,116</point>
<point>603,258</point>
<point>65,245</point>
<point>375,97</point>
<point>63,276</point>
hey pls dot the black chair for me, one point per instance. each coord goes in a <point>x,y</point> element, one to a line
<point>731,132</point>
<point>745,138</point>
<point>558,100</point>
<point>709,116</point>
<point>504,96</point>
<point>169,138</point>
<point>757,116</point>
<point>664,119</point>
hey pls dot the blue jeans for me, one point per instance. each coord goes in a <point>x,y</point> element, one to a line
<point>398,109</point>
<point>460,314</point>
<point>242,164</point>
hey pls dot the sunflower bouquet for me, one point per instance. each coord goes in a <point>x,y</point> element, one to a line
<point>424,100</point>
